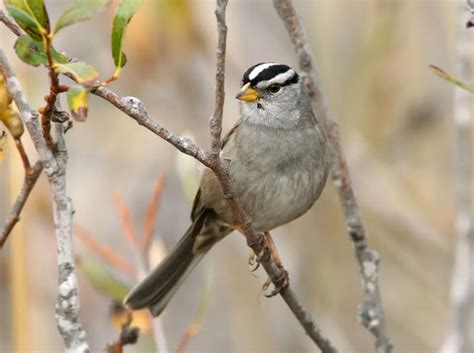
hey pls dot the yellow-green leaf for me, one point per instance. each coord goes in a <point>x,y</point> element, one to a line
<point>467,86</point>
<point>82,72</point>
<point>32,52</point>
<point>11,119</point>
<point>81,10</point>
<point>31,15</point>
<point>103,280</point>
<point>78,102</point>
<point>125,12</point>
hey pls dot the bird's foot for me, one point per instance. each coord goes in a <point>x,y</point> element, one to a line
<point>280,283</point>
<point>253,263</point>
<point>265,253</point>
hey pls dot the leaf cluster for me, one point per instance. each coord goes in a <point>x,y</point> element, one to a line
<point>35,47</point>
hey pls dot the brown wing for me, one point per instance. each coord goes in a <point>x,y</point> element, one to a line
<point>197,208</point>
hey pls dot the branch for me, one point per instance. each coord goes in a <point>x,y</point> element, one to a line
<point>460,338</point>
<point>371,313</point>
<point>24,157</point>
<point>10,24</point>
<point>215,123</point>
<point>14,216</point>
<point>141,248</point>
<point>67,308</point>
<point>151,216</point>
<point>104,251</point>
<point>134,108</point>
<point>128,335</point>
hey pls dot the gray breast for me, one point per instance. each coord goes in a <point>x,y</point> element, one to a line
<point>277,174</point>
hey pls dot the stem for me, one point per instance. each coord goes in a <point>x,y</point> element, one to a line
<point>53,93</point>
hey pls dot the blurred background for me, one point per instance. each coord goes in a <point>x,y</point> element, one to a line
<point>397,129</point>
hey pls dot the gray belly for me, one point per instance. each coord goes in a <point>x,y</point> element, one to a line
<point>275,182</point>
<point>280,194</point>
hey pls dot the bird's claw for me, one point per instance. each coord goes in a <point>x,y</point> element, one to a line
<point>281,284</point>
<point>256,259</point>
<point>253,263</point>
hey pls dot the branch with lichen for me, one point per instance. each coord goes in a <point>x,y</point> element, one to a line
<point>371,313</point>
<point>12,121</point>
<point>31,176</point>
<point>136,110</point>
<point>67,307</point>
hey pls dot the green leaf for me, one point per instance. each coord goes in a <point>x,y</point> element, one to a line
<point>29,52</point>
<point>125,12</point>
<point>32,52</point>
<point>78,102</point>
<point>103,280</point>
<point>467,86</point>
<point>39,11</point>
<point>31,15</point>
<point>81,10</point>
<point>82,72</point>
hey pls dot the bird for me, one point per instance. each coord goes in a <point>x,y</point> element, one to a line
<point>278,157</point>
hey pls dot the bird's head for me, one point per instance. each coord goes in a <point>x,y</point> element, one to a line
<point>271,94</point>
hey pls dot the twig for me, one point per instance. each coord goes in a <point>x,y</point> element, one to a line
<point>24,157</point>
<point>141,252</point>
<point>460,338</point>
<point>137,111</point>
<point>150,219</point>
<point>215,123</point>
<point>128,335</point>
<point>371,312</point>
<point>53,93</point>
<point>10,24</point>
<point>14,215</point>
<point>104,251</point>
<point>67,308</point>
<point>196,325</point>
<point>126,219</point>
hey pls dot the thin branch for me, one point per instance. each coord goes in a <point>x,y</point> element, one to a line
<point>126,220</point>
<point>53,93</point>
<point>10,24</point>
<point>104,251</point>
<point>371,312</point>
<point>136,110</point>
<point>128,335</point>
<point>28,115</point>
<point>14,215</point>
<point>460,338</point>
<point>24,157</point>
<point>215,123</point>
<point>67,308</point>
<point>150,219</point>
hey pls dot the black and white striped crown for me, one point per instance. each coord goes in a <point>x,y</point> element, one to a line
<point>267,73</point>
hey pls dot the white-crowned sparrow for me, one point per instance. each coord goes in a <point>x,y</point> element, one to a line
<point>278,156</point>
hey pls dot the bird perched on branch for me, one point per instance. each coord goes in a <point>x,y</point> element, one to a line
<point>279,162</point>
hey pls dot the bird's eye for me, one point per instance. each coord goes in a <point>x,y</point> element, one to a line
<point>274,88</point>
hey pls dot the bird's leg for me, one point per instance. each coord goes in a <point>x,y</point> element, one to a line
<point>283,281</point>
<point>265,251</point>
<point>273,249</point>
<point>255,259</point>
